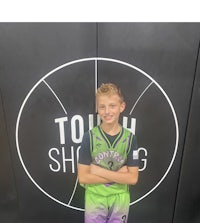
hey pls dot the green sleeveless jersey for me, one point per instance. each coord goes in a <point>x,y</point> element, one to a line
<point>109,156</point>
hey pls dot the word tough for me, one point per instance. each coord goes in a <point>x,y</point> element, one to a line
<point>77,129</point>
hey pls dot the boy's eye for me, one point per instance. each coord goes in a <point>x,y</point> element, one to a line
<point>101,107</point>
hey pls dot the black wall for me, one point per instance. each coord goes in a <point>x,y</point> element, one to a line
<point>167,57</point>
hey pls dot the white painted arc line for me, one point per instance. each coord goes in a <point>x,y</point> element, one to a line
<point>66,114</point>
<point>72,196</point>
<point>140,97</point>
<point>75,186</point>
<point>56,97</point>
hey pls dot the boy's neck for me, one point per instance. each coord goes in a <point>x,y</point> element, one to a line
<point>112,129</point>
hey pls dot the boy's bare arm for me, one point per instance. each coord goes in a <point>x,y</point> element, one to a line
<point>126,175</point>
<point>86,177</point>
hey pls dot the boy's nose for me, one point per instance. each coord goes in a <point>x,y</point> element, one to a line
<point>107,109</point>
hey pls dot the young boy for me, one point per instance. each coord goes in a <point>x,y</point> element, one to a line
<point>108,161</point>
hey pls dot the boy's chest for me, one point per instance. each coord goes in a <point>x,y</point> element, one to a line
<point>108,156</point>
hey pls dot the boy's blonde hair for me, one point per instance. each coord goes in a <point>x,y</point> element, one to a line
<point>109,89</point>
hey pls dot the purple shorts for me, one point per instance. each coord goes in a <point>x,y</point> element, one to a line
<point>109,209</point>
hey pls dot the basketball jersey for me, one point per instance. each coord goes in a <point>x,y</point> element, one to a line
<point>109,156</point>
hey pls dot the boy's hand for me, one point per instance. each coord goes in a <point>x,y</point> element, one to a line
<point>125,175</point>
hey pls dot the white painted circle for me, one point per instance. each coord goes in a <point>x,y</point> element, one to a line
<point>96,59</point>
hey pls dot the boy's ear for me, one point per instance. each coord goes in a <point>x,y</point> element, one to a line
<point>123,106</point>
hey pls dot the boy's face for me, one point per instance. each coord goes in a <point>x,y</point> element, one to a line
<point>109,108</point>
